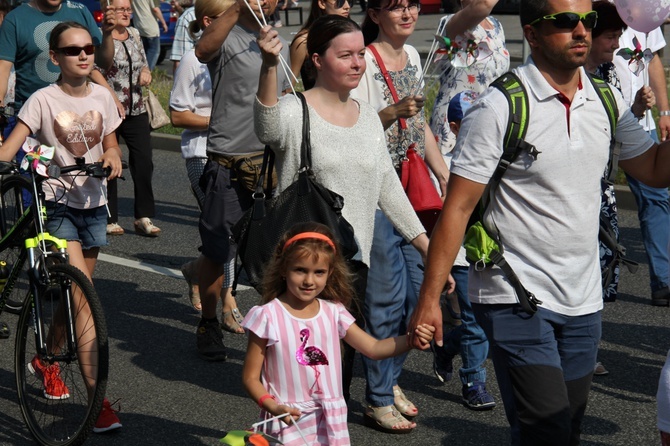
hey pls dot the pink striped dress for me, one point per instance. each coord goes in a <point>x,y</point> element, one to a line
<point>295,372</point>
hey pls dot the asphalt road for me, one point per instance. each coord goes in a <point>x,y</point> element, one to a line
<point>169,396</point>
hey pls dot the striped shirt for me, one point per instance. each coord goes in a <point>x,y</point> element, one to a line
<point>303,369</point>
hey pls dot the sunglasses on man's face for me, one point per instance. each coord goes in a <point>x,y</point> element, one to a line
<point>73,51</point>
<point>570,20</point>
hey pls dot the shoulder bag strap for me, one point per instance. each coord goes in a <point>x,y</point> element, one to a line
<point>389,81</point>
<point>306,145</point>
<point>130,74</point>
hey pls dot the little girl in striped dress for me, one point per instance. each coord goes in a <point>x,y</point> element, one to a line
<point>294,339</point>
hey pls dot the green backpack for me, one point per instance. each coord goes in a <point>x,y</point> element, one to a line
<point>482,249</point>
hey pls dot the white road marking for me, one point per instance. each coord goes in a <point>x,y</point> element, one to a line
<point>143,266</point>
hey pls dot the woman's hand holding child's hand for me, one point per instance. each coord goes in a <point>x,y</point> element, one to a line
<point>270,45</point>
<point>424,333</point>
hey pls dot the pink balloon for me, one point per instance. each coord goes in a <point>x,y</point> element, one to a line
<point>643,15</point>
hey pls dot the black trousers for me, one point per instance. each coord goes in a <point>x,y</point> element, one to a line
<point>136,133</point>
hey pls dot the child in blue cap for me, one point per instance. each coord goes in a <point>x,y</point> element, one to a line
<point>468,338</point>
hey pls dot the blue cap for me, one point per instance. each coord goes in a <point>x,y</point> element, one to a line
<point>459,104</point>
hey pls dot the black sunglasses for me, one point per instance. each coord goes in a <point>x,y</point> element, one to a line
<point>76,50</point>
<point>570,20</point>
<point>339,3</point>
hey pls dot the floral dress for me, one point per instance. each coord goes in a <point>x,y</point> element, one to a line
<point>374,90</point>
<point>475,77</point>
<point>118,74</point>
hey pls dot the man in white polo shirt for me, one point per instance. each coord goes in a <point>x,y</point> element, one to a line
<point>546,212</point>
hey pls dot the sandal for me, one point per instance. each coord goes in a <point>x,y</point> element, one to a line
<point>114,229</point>
<point>404,406</point>
<point>388,419</point>
<point>192,281</point>
<point>144,226</point>
<point>236,318</point>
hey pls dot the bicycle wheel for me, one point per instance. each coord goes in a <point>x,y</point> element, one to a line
<point>61,389</point>
<point>15,196</point>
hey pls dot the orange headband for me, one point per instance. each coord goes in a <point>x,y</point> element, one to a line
<point>304,235</point>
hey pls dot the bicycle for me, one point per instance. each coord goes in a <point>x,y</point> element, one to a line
<point>61,311</point>
<point>16,293</point>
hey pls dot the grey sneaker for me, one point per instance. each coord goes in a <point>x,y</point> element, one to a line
<point>210,342</point>
<point>476,397</point>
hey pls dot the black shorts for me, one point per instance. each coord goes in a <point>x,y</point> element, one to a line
<point>225,203</point>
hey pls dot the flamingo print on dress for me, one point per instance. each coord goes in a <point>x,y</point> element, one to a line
<point>312,357</point>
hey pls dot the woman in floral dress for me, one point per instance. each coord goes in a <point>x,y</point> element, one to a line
<point>394,277</point>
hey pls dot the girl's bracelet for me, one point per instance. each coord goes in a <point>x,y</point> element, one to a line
<point>265,397</point>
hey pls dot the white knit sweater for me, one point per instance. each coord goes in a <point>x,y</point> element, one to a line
<point>351,161</point>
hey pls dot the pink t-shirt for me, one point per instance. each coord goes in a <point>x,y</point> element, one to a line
<point>63,121</point>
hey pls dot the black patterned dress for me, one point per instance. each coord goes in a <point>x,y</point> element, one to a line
<point>608,207</point>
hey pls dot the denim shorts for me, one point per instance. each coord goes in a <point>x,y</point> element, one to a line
<point>86,226</point>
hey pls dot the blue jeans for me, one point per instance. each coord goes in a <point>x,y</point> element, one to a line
<point>152,48</point>
<point>544,365</point>
<point>469,338</point>
<point>392,291</point>
<point>653,212</point>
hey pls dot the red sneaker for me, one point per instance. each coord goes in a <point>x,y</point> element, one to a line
<point>107,420</point>
<point>54,387</point>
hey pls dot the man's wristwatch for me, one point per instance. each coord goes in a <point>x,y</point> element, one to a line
<point>664,113</point>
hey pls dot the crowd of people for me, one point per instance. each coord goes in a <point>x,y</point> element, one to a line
<point>364,87</point>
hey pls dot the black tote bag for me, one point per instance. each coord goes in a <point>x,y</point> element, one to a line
<point>260,228</point>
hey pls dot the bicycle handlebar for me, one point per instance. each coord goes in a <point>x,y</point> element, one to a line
<point>89,169</point>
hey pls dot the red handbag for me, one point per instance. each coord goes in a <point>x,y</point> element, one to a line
<point>414,174</point>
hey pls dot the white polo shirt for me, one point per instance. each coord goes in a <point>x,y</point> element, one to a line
<point>546,210</point>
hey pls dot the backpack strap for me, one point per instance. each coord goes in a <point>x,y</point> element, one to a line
<point>513,144</point>
<point>607,98</point>
<point>517,125</point>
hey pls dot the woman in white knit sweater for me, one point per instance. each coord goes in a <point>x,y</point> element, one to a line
<point>349,153</point>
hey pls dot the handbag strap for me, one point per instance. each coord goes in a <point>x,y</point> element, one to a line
<point>306,145</point>
<point>389,81</point>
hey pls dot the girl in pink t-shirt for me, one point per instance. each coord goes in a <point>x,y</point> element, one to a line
<point>78,119</point>
<point>294,339</point>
